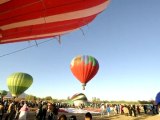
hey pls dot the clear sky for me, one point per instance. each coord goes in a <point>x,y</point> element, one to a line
<point>125,39</point>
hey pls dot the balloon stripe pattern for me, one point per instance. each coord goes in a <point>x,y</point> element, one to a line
<point>79,96</point>
<point>84,68</point>
<point>18,83</point>
<point>23,20</point>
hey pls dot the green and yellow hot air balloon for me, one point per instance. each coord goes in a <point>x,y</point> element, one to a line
<point>19,82</point>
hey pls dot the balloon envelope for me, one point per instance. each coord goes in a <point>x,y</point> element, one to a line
<point>18,83</point>
<point>158,98</point>
<point>23,20</point>
<point>79,96</point>
<point>84,68</point>
<point>79,99</point>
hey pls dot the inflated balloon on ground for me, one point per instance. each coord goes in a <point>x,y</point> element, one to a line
<point>79,99</point>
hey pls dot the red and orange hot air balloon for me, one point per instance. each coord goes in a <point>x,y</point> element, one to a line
<point>23,20</point>
<point>84,68</point>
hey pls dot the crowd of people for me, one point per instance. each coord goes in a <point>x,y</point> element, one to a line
<point>18,110</point>
<point>88,116</point>
<point>128,110</point>
<point>50,111</point>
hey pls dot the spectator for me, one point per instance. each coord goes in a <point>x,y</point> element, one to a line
<point>44,110</point>
<point>23,112</point>
<point>73,117</point>
<point>11,111</point>
<point>62,117</point>
<point>88,116</point>
<point>39,113</point>
<point>102,108</point>
<point>138,110</point>
<point>1,110</point>
<point>108,110</point>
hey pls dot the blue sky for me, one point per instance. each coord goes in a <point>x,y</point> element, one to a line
<point>125,40</point>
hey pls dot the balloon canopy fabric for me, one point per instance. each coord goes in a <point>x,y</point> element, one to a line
<point>84,68</point>
<point>79,96</point>
<point>157,98</point>
<point>23,20</point>
<point>18,83</point>
<point>79,99</point>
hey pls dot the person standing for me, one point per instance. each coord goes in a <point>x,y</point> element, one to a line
<point>145,109</point>
<point>39,113</point>
<point>102,108</point>
<point>1,97</point>
<point>125,110</point>
<point>11,111</point>
<point>55,110</point>
<point>134,110</point>
<point>44,110</point>
<point>52,111</point>
<point>114,109</point>
<point>108,110</point>
<point>1,110</point>
<point>23,112</point>
<point>138,110</point>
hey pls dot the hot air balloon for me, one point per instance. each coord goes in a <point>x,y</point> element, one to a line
<point>79,99</point>
<point>84,68</point>
<point>23,20</point>
<point>158,98</point>
<point>18,83</point>
<point>79,96</point>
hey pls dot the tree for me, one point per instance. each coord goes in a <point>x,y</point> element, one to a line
<point>48,98</point>
<point>30,97</point>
